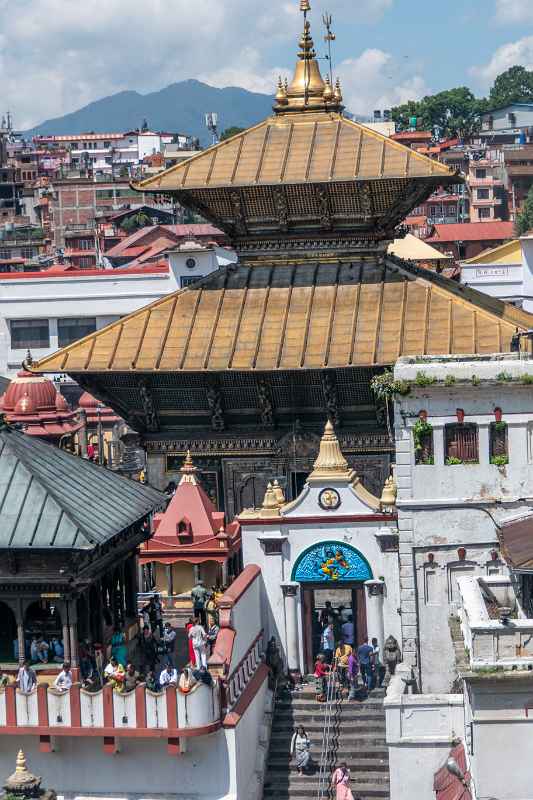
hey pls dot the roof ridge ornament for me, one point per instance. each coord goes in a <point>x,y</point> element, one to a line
<point>308,91</point>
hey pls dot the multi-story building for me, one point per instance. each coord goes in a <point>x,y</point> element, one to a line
<point>469,239</point>
<point>485,179</point>
<point>511,124</point>
<point>44,310</point>
<point>112,153</point>
<point>77,202</point>
<point>518,166</point>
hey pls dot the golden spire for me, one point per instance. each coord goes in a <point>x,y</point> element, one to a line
<point>330,463</point>
<point>337,94</point>
<point>388,495</point>
<point>278,493</point>
<point>270,507</point>
<point>188,470</point>
<point>307,88</point>
<point>21,762</point>
<point>281,94</point>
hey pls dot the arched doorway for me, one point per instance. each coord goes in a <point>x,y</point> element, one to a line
<point>8,634</point>
<point>332,573</point>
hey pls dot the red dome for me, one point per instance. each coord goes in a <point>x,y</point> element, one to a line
<point>39,389</point>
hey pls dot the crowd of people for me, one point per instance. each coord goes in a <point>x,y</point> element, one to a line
<point>339,655</point>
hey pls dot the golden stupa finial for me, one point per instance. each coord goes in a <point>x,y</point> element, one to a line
<point>21,762</point>
<point>281,94</point>
<point>305,93</point>
<point>278,493</point>
<point>330,463</point>
<point>328,90</point>
<point>337,94</point>
<point>389,493</point>
<point>270,507</point>
<point>188,469</point>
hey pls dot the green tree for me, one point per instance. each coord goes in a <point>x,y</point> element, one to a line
<point>136,221</point>
<point>229,132</point>
<point>515,85</point>
<point>524,220</point>
<point>454,112</point>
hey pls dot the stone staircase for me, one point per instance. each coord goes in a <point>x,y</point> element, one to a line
<point>357,737</point>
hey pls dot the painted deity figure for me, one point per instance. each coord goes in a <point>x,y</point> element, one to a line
<point>391,654</point>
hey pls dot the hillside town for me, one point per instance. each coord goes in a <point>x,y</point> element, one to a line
<point>266,445</point>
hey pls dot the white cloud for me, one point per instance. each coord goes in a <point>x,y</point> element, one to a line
<point>508,55</point>
<point>376,80</point>
<point>57,56</point>
<point>512,11</point>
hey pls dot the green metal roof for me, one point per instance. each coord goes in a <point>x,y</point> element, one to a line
<point>53,499</point>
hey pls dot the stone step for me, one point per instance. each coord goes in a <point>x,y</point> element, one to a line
<point>349,739</point>
<point>362,792</point>
<point>305,702</point>
<point>352,717</point>
<point>280,751</point>
<point>292,779</point>
<point>280,768</point>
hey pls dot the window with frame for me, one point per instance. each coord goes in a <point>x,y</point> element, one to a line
<point>461,443</point>
<point>484,213</point>
<point>28,333</point>
<point>499,453</point>
<point>481,174</point>
<point>482,194</point>
<point>70,329</point>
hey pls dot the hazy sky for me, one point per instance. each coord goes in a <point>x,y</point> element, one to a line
<point>56,55</point>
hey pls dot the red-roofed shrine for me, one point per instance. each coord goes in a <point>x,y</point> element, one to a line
<point>190,540</point>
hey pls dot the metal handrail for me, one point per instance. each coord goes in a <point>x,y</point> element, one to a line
<point>323,776</point>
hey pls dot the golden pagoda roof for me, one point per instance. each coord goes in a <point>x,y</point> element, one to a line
<point>297,148</point>
<point>307,140</point>
<point>365,312</point>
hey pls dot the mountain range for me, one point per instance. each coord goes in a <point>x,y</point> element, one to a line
<point>179,108</point>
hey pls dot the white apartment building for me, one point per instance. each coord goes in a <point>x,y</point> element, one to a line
<point>505,272</point>
<point>43,311</point>
<point>106,152</point>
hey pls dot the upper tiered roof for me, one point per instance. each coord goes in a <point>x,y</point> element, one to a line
<point>306,168</point>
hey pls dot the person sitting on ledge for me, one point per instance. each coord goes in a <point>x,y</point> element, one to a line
<point>169,676</point>
<point>151,681</point>
<point>63,682</point>
<point>187,680</point>
<point>26,678</point>
<point>131,678</point>
<point>114,674</point>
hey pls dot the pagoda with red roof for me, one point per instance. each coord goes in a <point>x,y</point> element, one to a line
<point>190,541</point>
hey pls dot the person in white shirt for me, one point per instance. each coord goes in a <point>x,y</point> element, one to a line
<point>198,637</point>
<point>348,631</point>
<point>328,642</point>
<point>63,682</point>
<point>169,676</point>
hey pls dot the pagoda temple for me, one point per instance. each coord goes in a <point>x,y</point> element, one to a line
<point>245,365</point>
<point>33,402</point>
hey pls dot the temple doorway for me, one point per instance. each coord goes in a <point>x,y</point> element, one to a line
<point>347,603</point>
<point>331,575</point>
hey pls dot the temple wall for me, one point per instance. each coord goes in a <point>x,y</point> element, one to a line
<point>79,767</point>
<point>420,730</point>
<point>443,508</point>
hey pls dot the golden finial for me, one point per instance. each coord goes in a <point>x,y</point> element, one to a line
<point>188,470</point>
<point>330,462</point>
<point>281,94</point>
<point>328,91</point>
<point>21,762</point>
<point>305,6</point>
<point>388,495</point>
<point>338,93</point>
<point>279,494</point>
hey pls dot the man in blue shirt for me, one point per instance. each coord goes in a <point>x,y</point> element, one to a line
<point>365,654</point>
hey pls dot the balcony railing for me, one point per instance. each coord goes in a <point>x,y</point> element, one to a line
<point>485,181</point>
<point>488,202</point>
<point>110,713</point>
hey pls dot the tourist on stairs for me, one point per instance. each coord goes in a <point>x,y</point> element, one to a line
<point>300,746</point>
<point>322,670</point>
<point>341,783</point>
<point>328,642</point>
